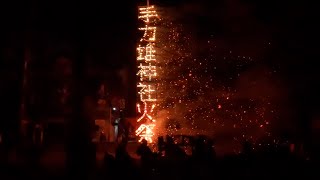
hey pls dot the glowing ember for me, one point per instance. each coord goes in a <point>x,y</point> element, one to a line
<point>147,72</point>
<point>207,89</point>
<point>195,84</point>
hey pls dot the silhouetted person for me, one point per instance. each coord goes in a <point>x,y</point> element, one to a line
<point>144,151</point>
<point>109,165</point>
<point>173,151</point>
<point>123,160</point>
<point>126,130</point>
<point>109,160</point>
<point>247,149</point>
<point>123,127</point>
<point>161,145</point>
<point>121,152</point>
<point>169,147</point>
<point>211,153</point>
<point>199,149</point>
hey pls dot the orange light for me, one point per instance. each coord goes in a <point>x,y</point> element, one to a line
<point>147,71</point>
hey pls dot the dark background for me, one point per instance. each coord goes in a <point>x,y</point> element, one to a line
<point>107,31</point>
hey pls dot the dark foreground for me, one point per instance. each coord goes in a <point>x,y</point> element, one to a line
<point>229,167</point>
<point>174,165</point>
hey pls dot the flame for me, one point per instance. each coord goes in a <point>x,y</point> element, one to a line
<point>147,72</point>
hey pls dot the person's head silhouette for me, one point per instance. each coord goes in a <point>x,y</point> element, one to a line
<point>144,142</point>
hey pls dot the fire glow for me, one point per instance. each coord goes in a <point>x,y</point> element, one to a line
<point>147,73</point>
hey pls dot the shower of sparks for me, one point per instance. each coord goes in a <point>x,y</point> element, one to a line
<point>147,72</point>
<point>198,91</point>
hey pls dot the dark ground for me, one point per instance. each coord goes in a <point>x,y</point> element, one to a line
<point>257,166</point>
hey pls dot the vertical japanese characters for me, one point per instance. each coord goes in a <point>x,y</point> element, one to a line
<point>147,73</point>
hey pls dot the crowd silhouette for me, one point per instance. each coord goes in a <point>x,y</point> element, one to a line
<point>170,161</point>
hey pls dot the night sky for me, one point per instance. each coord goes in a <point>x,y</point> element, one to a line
<point>281,35</point>
<point>278,36</point>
